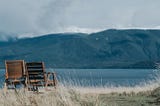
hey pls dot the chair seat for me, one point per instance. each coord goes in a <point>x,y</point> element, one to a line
<point>38,84</point>
<point>15,80</point>
<point>50,82</point>
<point>34,81</point>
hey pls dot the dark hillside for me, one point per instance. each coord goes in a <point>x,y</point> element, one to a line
<point>106,49</point>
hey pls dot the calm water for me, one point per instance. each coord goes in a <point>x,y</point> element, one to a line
<point>100,77</point>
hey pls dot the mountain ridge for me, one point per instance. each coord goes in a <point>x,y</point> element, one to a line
<point>131,48</point>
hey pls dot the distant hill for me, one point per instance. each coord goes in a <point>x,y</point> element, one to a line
<point>107,49</point>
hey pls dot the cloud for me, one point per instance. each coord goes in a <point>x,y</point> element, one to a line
<point>7,36</point>
<point>37,16</point>
<point>81,30</point>
<point>26,18</point>
<point>147,16</point>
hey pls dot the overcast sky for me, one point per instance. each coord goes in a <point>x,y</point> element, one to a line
<point>35,17</point>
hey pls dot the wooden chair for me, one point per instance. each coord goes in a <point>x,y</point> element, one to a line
<point>37,77</point>
<point>15,73</point>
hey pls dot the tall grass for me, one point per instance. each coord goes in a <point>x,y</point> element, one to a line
<point>74,96</point>
<point>69,94</point>
<point>61,96</point>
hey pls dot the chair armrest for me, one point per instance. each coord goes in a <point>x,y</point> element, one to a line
<point>50,72</point>
<point>53,77</point>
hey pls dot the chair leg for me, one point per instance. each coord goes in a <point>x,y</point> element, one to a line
<point>46,82</point>
<point>5,87</point>
<point>54,80</point>
<point>15,86</point>
<point>25,85</point>
<point>36,88</point>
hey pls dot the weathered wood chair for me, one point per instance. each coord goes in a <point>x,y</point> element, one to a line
<point>15,73</point>
<point>37,77</point>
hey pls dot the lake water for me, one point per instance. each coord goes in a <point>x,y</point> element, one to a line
<point>100,77</point>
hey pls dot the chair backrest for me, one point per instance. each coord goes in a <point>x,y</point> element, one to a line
<point>35,71</point>
<point>14,69</point>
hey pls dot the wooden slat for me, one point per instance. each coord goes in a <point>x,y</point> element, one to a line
<point>36,77</point>
<point>36,70</point>
<point>34,67</point>
<point>34,64</point>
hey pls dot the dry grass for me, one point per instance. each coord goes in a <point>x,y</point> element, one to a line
<point>142,95</point>
<point>76,96</point>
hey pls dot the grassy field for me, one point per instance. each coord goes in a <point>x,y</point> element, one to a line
<point>75,96</point>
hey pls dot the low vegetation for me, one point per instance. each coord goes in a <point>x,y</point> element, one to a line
<point>75,96</point>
